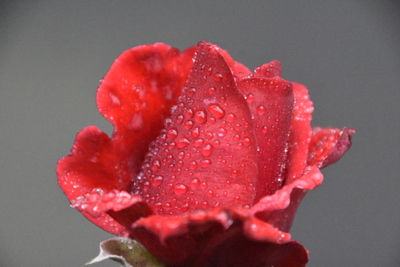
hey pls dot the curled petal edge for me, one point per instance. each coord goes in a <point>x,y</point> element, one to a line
<point>311,179</point>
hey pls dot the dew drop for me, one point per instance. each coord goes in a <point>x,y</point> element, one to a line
<point>157,181</point>
<point>156,165</point>
<point>191,91</point>
<point>180,189</point>
<point>182,142</point>
<point>260,110</point>
<point>211,90</point>
<point>188,113</point>
<point>218,77</point>
<point>216,111</point>
<point>200,116</point>
<point>206,150</point>
<point>188,124</point>
<point>198,142</point>
<point>195,132</point>
<point>221,132</point>
<point>231,117</point>
<point>246,141</point>
<point>195,183</point>
<point>193,165</point>
<point>205,163</point>
<point>179,119</point>
<point>172,133</point>
<point>250,98</point>
<point>264,129</point>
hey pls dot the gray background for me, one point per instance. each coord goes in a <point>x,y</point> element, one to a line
<point>53,53</point>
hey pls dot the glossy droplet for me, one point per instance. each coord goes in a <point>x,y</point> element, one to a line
<point>221,132</point>
<point>211,90</point>
<point>188,113</point>
<point>198,142</point>
<point>216,111</point>
<point>157,181</point>
<point>264,129</point>
<point>250,98</point>
<point>260,110</point>
<point>172,133</point>
<point>190,91</point>
<point>200,116</point>
<point>209,135</point>
<point>156,165</point>
<point>218,77</point>
<point>246,141</point>
<point>180,189</point>
<point>195,132</point>
<point>206,150</point>
<point>205,163</point>
<point>179,119</point>
<point>231,117</point>
<point>203,185</point>
<point>195,183</point>
<point>193,165</point>
<point>182,142</point>
<point>188,124</point>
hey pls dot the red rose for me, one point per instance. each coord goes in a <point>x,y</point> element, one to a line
<point>208,161</point>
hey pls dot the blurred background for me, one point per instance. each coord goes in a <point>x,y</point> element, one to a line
<point>53,54</point>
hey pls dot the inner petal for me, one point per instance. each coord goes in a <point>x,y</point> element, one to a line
<point>205,156</point>
<point>270,101</point>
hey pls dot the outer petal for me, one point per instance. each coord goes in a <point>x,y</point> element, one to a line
<point>328,145</point>
<point>141,85</point>
<point>137,93</point>
<point>217,238</point>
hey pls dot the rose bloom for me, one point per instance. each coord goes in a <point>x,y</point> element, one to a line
<point>208,161</point>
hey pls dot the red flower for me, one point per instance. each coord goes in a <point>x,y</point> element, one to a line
<point>208,161</point>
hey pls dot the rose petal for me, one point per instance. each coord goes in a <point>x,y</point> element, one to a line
<point>217,238</point>
<point>205,157</point>
<point>300,133</point>
<point>238,69</point>
<point>269,70</point>
<point>270,101</point>
<point>328,145</point>
<point>130,90</point>
<point>137,92</point>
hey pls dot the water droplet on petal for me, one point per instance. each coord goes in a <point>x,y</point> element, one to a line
<point>216,111</point>
<point>206,150</point>
<point>195,132</point>
<point>200,116</point>
<point>221,132</point>
<point>205,163</point>
<point>218,77</point>
<point>157,180</point>
<point>250,98</point>
<point>198,142</point>
<point>182,142</point>
<point>260,110</point>
<point>180,189</point>
<point>172,134</point>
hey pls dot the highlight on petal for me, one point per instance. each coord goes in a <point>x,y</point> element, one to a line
<point>328,145</point>
<point>205,156</point>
